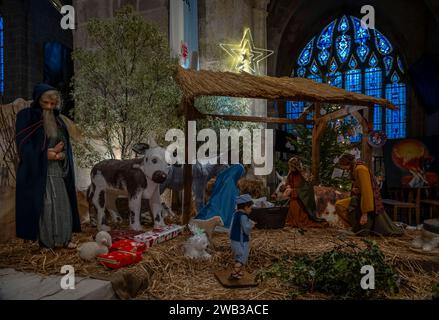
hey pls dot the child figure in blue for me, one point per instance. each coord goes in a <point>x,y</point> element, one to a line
<point>240,234</point>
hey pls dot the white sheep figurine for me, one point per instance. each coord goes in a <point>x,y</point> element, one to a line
<point>427,241</point>
<point>208,226</point>
<point>89,250</point>
<point>195,247</point>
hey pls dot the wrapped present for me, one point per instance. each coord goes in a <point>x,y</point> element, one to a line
<point>128,246</point>
<point>157,236</point>
<point>117,235</point>
<point>118,259</point>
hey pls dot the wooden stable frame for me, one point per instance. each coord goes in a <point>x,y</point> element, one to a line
<point>210,83</point>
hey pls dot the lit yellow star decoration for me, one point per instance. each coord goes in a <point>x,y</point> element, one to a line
<point>246,57</point>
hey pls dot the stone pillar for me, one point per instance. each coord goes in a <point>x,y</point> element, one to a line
<point>259,31</point>
<point>155,12</point>
<point>176,26</point>
<point>85,10</point>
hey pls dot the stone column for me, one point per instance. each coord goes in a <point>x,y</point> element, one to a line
<point>259,32</point>
<point>85,10</point>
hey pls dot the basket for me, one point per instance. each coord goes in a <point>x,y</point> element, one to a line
<point>269,218</point>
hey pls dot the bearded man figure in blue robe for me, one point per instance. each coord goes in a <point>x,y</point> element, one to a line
<point>46,205</point>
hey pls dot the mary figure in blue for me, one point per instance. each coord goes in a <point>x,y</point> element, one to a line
<point>222,201</point>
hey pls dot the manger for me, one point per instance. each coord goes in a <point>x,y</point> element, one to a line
<point>212,83</point>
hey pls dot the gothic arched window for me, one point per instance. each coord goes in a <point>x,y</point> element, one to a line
<point>348,56</point>
<point>2,63</point>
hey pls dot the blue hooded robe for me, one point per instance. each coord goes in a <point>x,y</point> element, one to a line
<point>32,147</point>
<point>222,201</point>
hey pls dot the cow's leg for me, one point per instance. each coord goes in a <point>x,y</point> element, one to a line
<point>91,207</point>
<point>99,199</point>
<point>134,204</point>
<point>157,210</point>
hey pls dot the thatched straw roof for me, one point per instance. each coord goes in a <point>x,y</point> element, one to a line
<point>214,83</point>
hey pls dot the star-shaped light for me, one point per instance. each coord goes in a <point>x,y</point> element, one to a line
<point>246,57</point>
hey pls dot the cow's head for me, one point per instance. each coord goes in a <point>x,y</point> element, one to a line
<point>281,187</point>
<point>154,164</point>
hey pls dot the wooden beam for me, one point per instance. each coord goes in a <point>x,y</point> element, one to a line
<point>340,113</point>
<point>306,112</point>
<point>187,105</point>
<point>366,149</point>
<point>315,154</point>
<point>254,119</point>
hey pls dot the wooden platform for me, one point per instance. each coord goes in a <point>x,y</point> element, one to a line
<point>248,280</point>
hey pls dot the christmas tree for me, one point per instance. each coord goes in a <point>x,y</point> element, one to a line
<point>338,138</point>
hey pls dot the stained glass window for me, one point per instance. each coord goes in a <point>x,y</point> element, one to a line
<point>343,25</point>
<point>305,56</point>
<point>353,83</point>
<point>396,122</point>
<point>333,66</point>
<point>323,57</point>
<point>325,39</point>
<point>361,34</point>
<point>353,80</point>
<point>343,46</point>
<point>315,77</point>
<point>301,72</point>
<point>314,68</point>
<point>373,82</point>
<point>335,79</point>
<point>293,111</point>
<point>388,63</point>
<point>353,63</point>
<point>360,60</point>
<point>373,61</point>
<point>2,62</point>
<point>363,52</point>
<point>383,45</point>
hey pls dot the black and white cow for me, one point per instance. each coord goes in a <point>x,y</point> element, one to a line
<point>140,178</point>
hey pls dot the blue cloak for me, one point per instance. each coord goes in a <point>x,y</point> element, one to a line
<point>222,201</point>
<point>32,147</point>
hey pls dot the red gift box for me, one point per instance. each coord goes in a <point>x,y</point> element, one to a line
<point>117,235</point>
<point>118,259</point>
<point>157,236</point>
<point>128,246</point>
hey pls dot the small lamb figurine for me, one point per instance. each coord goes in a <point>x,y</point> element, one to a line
<point>429,238</point>
<point>428,241</point>
<point>195,247</point>
<point>89,250</point>
<point>208,225</point>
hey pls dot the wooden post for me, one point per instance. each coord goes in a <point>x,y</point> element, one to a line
<point>187,168</point>
<point>366,149</point>
<point>315,156</point>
